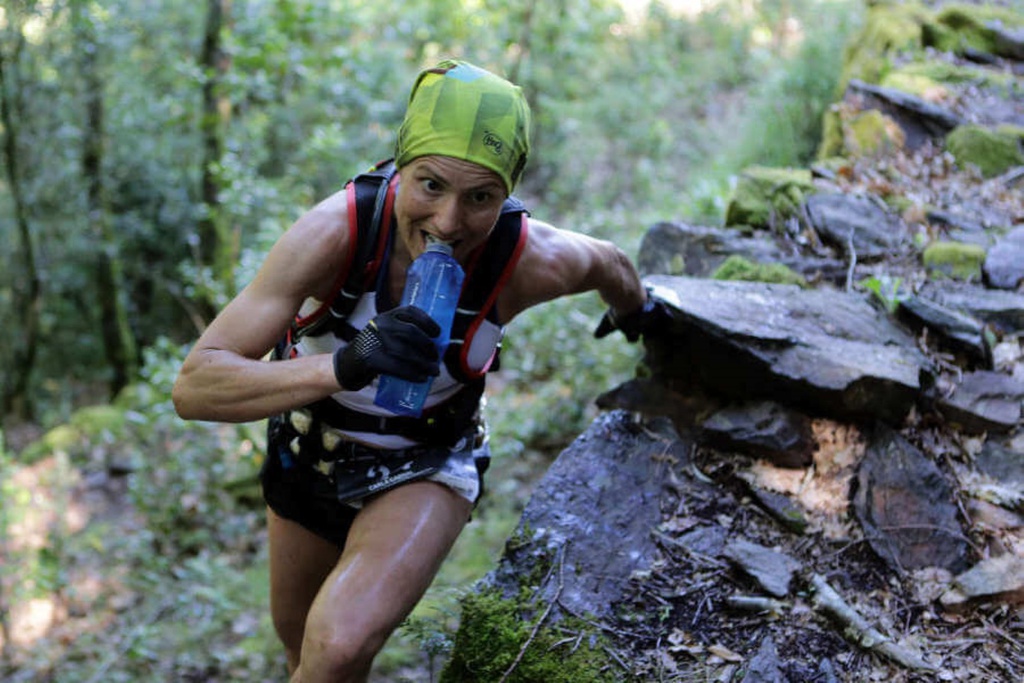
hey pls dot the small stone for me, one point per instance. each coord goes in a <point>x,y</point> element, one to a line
<point>996,578</point>
<point>772,570</point>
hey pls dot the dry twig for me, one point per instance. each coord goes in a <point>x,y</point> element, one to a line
<point>543,617</point>
<point>857,629</point>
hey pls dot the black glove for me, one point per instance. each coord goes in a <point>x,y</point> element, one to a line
<point>398,342</point>
<point>651,319</point>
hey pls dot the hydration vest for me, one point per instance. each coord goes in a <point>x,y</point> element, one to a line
<point>371,198</point>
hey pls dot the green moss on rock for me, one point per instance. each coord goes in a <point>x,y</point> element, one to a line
<point>954,259</point>
<point>737,267</point>
<point>962,26</point>
<point>871,132</point>
<point>913,84</point>
<point>889,29</point>
<point>942,72</point>
<point>831,134</point>
<point>1012,131</point>
<point>764,195</point>
<point>493,632</point>
<point>992,151</point>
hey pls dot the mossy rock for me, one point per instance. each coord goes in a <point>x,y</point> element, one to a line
<point>86,425</point>
<point>945,73</point>
<point>851,132</point>
<point>960,27</point>
<point>915,84</point>
<point>831,134</point>
<point>871,132</point>
<point>1011,131</point>
<point>737,267</point>
<point>764,195</point>
<point>889,29</point>
<point>992,151</point>
<point>957,260</point>
<point>834,164</point>
<point>493,632</point>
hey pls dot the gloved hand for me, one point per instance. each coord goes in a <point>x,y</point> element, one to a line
<point>651,319</point>
<point>398,342</point>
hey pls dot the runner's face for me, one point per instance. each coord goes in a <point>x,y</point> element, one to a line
<point>453,200</point>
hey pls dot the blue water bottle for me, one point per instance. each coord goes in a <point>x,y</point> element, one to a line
<point>433,283</point>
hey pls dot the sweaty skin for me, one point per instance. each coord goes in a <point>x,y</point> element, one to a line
<point>334,608</point>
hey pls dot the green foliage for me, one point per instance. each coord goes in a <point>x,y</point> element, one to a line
<point>178,565</point>
<point>785,118</point>
<point>885,289</point>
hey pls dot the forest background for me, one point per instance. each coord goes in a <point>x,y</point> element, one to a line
<point>151,154</point>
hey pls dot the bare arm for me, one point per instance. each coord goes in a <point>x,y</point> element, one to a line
<point>224,377</point>
<point>559,262</point>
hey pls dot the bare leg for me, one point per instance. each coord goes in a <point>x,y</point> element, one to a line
<point>396,545</point>
<point>299,562</point>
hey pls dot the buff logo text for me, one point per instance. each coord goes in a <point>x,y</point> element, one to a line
<point>491,140</point>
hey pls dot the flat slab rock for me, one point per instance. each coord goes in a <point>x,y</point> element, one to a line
<point>764,429</point>
<point>828,352</point>
<point>1003,310</point>
<point>984,402</point>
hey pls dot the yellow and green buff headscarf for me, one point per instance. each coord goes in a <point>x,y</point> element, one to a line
<point>462,111</point>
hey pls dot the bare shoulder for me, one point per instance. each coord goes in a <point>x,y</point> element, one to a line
<point>554,263</point>
<point>308,257</point>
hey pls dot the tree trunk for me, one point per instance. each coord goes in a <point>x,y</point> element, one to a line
<point>118,341</point>
<point>25,283</point>
<point>218,249</point>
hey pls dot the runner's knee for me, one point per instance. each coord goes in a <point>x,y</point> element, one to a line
<point>340,655</point>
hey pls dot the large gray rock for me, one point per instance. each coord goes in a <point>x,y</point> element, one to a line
<point>672,248</point>
<point>850,222</point>
<point>587,527</point>
<point>956,331</point>
<point>826,352</point>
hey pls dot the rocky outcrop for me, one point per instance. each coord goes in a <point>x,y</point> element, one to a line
<point>847,451</point>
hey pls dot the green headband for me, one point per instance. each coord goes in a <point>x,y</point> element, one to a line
<point>462,111</point>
